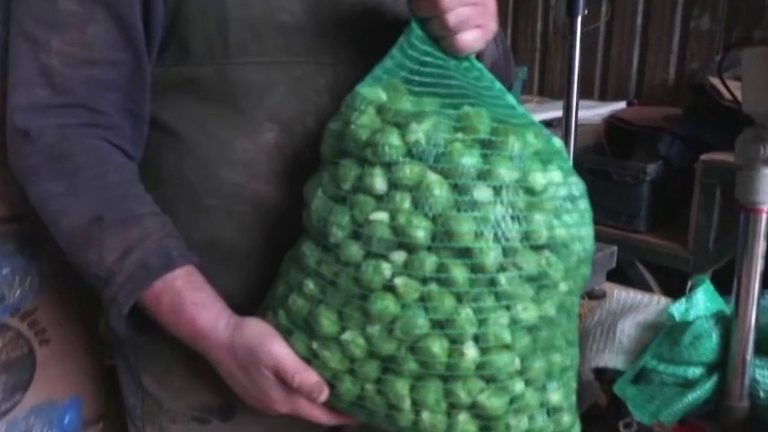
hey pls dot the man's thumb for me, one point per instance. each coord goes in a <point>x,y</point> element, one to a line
<point>298,375</point>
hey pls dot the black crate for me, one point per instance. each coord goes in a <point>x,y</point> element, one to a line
<point>624,194</point>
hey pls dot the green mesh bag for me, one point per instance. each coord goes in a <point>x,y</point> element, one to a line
<point>447,242</point>
<point>681,371</point>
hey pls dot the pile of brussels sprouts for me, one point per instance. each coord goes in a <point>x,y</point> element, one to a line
<point>436,288</point>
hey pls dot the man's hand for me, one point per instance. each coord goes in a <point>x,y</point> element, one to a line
<point>461,26</point>
<point>248,353</point>
<point>263,370</point>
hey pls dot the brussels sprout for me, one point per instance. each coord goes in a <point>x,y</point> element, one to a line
<point>434,195</point>
<point>530,400</point>
<point>382,306</point>
<point>311,288</point>
<point>347,172</point>
<point>462,421</point>
<point>354,345</point>
<point>346,288</point>
<point>355,138</point>
<point>397,391</point>
<point>564,421</point>
<point>353,318</point>
<point>339,224</point>
<point>414,229</point>
<point>373,399</point>
<point>424,137</point>
<point>300,344</point>
<point>404,419</point>
<point>351,251</point>
<point>373,180</point>
<point>367,370</point>
<point>474,121</point>
<point>299,305</point>
<point>325,322</point>
<point>422,264</point>
<point>310,254</point>
<point>496,330</point>
<point>362,206</point>
<point>481,297</point>
<point>380,341</point>
<point>500,170</point>
<point>487,259</point>
<point>458,228</point>
<point>404,364</point>
<point>432,352</point>
<point>463,324</point>
<point>499,362</point>
<point>329,189</point>
<point>374,273</point>
<point>536,233</point>
<point>407,289</point>
<point>511,288</point>
<point>329,352</point>
<point>460,161</point>
<point>464,358</point>
<point>515,423</point>
<point>535,181</point>
<point>370,94</point>
<point>398,259</point>
<point>462,392</point>
<point>440,302</point>
<point>454,274</point>
<point>386,145</point>
<point>412,324</point>
<point>346,388</point>
<point>429,394</point>
<point>378,237</point>
<point>525,313</point>
<point>407,174</point>
<point>429,421</point>
<point>492,403</point>
<point>506,139</point>
<point>398,201</point>
<point>515,386</point>
<point>535,369</point>
<point>522,340</point>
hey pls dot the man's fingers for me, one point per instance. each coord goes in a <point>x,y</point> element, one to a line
<point>467,42</point>
<point>318,414</point>
<point>434,8</point>
<point>299,376</point>
<point>453,22</point>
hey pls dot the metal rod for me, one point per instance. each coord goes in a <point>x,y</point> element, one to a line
<point>747,286</point>
<point>576,10</point>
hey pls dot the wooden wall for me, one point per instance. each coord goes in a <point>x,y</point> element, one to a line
<point>647,50</point>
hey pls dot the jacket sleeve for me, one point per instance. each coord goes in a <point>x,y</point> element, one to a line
<point>78,114</point>
<point>498,58</point>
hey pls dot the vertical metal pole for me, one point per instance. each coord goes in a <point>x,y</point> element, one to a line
<point>752,192</point>
<point>576,11</point>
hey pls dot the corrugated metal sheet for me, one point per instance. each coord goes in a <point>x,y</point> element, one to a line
<point>648,50</point>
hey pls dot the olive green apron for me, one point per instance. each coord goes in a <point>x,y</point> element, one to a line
<point>242,90</point>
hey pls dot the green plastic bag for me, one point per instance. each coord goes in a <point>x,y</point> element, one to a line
<point>447,243</point>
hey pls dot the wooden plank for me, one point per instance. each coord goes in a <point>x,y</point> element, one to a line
<point>625,27</point>
<point>556,59</point>
<point>706,24</point>
<point>664,26</point>
<point>524,40</point>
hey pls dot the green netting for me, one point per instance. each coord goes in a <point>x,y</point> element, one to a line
<point>447,243</point>
<point>681,370</point>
